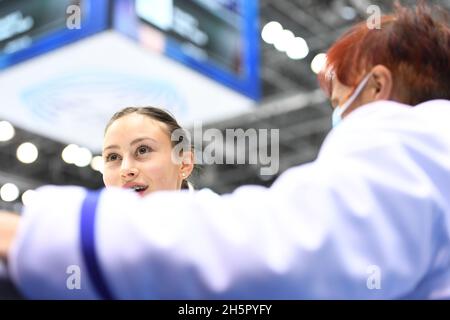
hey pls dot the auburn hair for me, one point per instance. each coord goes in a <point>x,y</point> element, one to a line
<point>413,43</point>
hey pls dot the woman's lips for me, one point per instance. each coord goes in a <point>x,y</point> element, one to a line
<point>136,187</point>
<point>142,192</point>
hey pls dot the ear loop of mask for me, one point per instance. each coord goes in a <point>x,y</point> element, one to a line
<point>339,110</point>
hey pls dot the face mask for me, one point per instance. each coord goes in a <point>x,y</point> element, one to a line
<point>339,110</point>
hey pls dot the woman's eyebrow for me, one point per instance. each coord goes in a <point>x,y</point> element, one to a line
<point>137,140</point>
<point>114,146</point>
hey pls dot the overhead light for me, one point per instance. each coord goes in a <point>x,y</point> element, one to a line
<point>347,13</point>
<point>297,49</point>
<point>6,131</point>
<point>73,154</point>
<point>283,40</point>
<point>69,154</point>
<point>318,63</point>
<point>271,32</point>
<point>97,163</point>
<point>27,152</point>
<point>27,197</point>
<point>9,192</point>
<point>83,157</point>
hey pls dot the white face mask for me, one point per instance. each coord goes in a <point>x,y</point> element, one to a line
<point>339,110</point>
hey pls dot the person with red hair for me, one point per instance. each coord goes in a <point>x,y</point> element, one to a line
<point>368,219</point>
<point>406,60</point>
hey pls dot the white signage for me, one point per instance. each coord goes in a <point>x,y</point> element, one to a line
<point>70,94</point>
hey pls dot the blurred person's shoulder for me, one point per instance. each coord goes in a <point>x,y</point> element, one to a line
<point>388,123</point>
<point>391,116</point>
<point>387,111</point>
<point>436,110</point>
<point>7,289</point>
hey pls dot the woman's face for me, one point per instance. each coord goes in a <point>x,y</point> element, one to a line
<point>137,154</point>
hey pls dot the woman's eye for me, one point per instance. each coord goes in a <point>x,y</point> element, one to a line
<point>143,150</point>
<point>112,157</point>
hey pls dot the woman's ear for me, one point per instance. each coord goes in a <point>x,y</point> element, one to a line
<point>381,84</point>
<point>187,164</point>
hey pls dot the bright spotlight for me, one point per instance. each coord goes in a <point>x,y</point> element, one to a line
<point>9,192</point>
<point>318,63</point>
<point>83,157</point>
<point>27,152</point>
<point>282,42</point>
<point>271,32</point>
<point>27,197</point>
<point>69,154</point>
<point>97,163</point>
<point>6,131</point>
<point>297,49</point>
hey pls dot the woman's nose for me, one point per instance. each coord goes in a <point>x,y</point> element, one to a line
<point>128,173</point>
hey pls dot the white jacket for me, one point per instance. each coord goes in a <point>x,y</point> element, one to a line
<point>369,219</point>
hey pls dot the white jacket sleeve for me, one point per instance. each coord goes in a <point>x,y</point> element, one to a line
<point>359,222</point>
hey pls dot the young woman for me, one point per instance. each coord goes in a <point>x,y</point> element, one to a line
<point>138,152</point>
